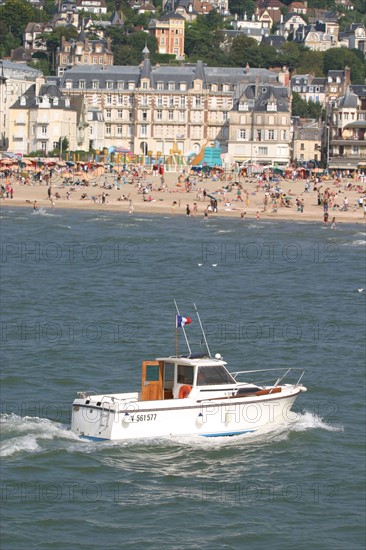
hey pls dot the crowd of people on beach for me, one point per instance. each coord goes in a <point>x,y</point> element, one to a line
<point>270,191</point>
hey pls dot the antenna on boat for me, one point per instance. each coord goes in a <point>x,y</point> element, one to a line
<point>203,332</point>
<point>176,334</point>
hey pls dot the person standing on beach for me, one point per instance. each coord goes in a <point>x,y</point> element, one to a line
<point>333,226</point>
<point>49,193</point>
<point>188,210</point>
<point>35,206</point>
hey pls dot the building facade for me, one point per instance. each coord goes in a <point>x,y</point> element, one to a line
<point>164,108</point>
<point>15,80</point>
<point>346,144</point>
<point>41,116</point>
<point>169,32</point>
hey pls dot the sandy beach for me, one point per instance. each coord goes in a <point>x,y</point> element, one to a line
<point>129,197</point>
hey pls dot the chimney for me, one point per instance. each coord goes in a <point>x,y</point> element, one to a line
<point>347,77</point>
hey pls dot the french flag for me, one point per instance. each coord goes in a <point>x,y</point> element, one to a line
<point>181,321</point>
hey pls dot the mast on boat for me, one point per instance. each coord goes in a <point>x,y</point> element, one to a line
<point>185,335</point>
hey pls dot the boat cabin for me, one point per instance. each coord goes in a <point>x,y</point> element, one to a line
<point>177,377</point>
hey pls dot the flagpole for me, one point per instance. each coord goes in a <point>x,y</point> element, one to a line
<point>203,332</point>
<point>184,332</point>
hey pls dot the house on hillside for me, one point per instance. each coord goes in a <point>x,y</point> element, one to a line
<point>169,32</point>
<point>83,51</point>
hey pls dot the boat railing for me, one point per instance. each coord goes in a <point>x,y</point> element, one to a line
<point>278,379</point>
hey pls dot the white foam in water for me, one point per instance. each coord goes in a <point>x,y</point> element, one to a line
<point>310,420</point>
<point>21,434</point>
<point>359,242</point>
<point>41,212</point>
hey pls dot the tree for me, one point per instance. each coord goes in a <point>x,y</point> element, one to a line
<point>311,63</point>
<point>244,49</point>
<point>53,40</point>
<point>16,14</point>
<point>305,109</point>
<point>338,58</point>
<point>241,7</point>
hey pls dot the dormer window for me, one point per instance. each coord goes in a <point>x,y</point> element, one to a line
<point>160,86</point>
<point>244,106</point>
<point>95,84</point>
<point>109,84</point>
<point>23,100</point>
<point>55,101</point>
<point>171,86</point>
<point>81,84</point>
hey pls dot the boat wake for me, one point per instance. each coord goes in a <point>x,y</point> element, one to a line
<point>28,434</point>
<point>25,434</point>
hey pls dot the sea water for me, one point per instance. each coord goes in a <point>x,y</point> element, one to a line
<point>86,297</point>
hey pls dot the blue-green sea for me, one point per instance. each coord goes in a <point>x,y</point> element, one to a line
<point>86,297</point>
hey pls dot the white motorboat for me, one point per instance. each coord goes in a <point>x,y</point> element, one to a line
<point>193,394</point>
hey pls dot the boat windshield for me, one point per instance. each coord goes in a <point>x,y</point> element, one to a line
<point>213,375</point>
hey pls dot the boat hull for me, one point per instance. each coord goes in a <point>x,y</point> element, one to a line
<point>212,418</point>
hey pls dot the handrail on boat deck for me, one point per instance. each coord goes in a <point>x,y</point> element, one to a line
<point>235,374</point>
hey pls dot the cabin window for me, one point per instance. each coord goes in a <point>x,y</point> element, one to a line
<point>152,373</point>
<point>168,375</point>
<point>185,374</point>
<point>210,376</point>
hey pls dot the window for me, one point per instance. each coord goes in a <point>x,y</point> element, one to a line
<point>81,84</point>
<point>302,147</point>
<point>44,145</point>
<point>144,115</point>
<point>95,84</point>
<point>171,86</point>
<point>182,116</point>
<point>284,135</point>
<point>242,134</point>
<point>144,85</point>
<point>108,129</point>
<point>120,99</point>
<point>44,129</point>
<point>212,376</point>
<point>160,102</point>
<point>160,86</point>
<point>108,113</point>
<point>119,129</point>
<point>182,102</point>
<point>185,374</point>
<point>271,134</point>
<point>159,115</point>
<point>259,119</point>
<point>144,129</point>
<point>171,102</point>
<point>108,99</point>
<point>171,115</point>
<point>263,151</point>
<point>120,85</point>
<point>120,113</point>
<point>197,101</point>
<point>101,61</point>
<point>109,85</point>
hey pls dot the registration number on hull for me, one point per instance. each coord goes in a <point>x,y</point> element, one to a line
<point>144,417</point>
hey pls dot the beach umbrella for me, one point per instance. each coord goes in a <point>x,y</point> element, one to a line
<point>213,197</point>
